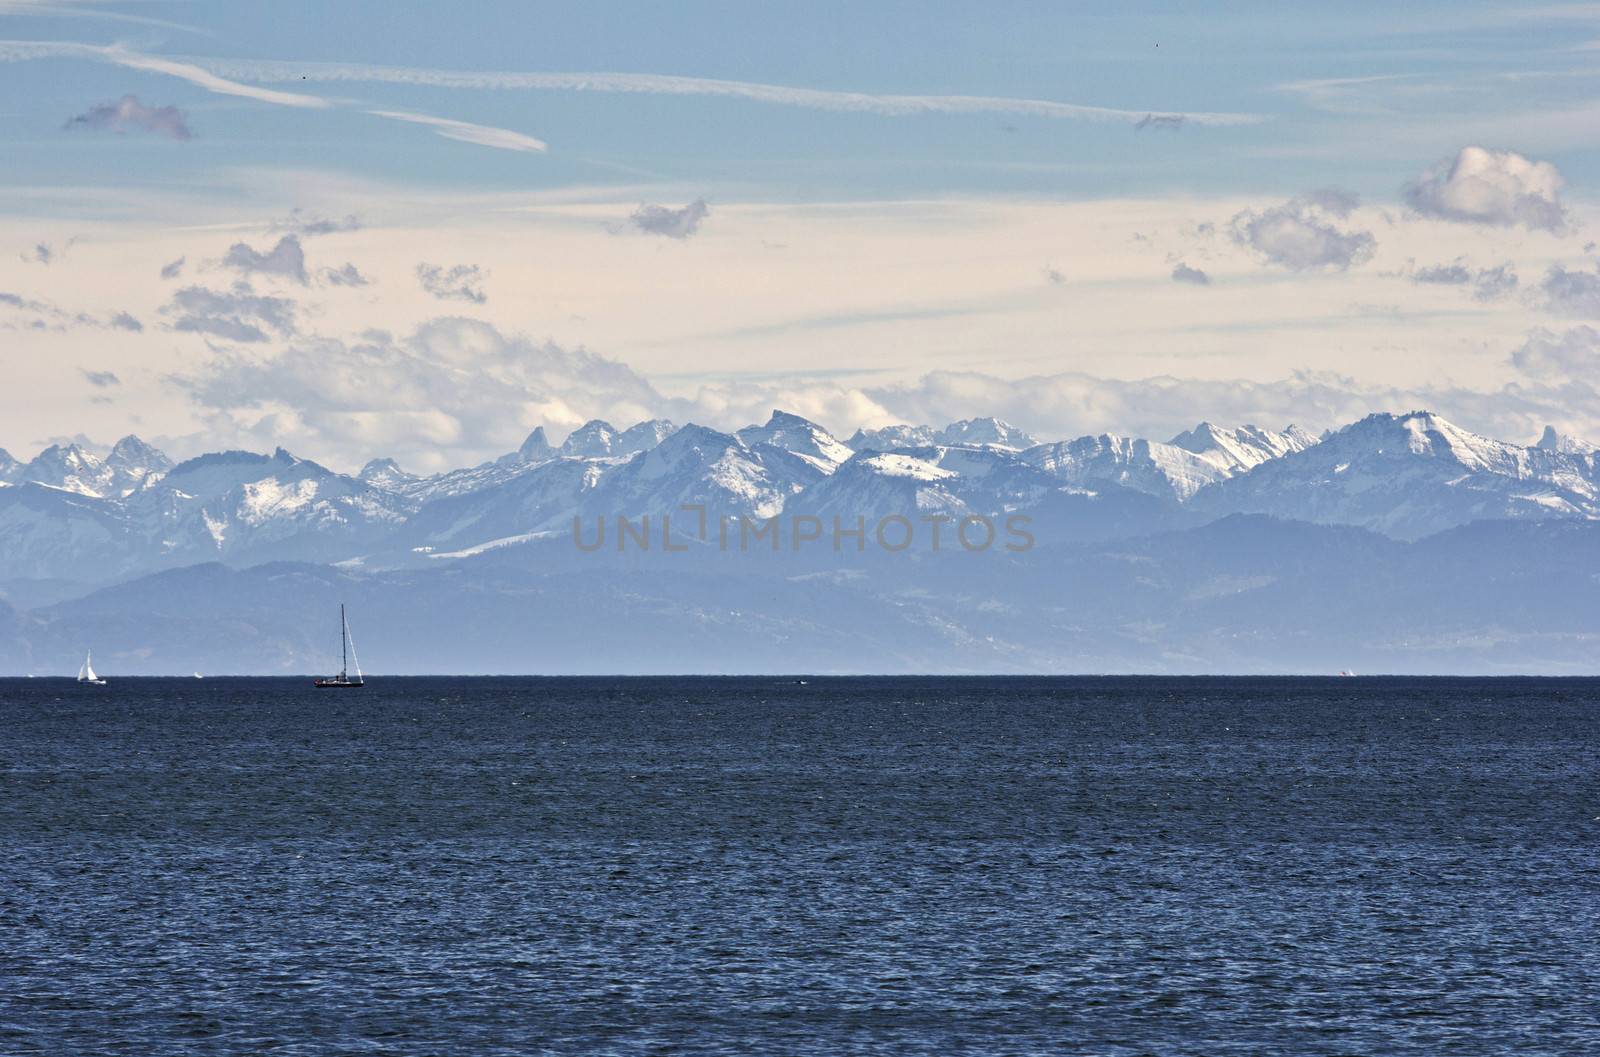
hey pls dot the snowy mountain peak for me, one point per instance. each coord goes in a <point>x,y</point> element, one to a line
<point>991,432</point>
<point>133,464</point>
<point>890,438</point>
<point>969,433</point>
<point>537,448</point>
<point>593,439</point>
<point>642,436</point>
<point>70,467</point>
<point>1241,448</point>
<point>386,474</point>
<point>1428,434</point>
<point>1550,441</point>
<point>801,436</point>
<point>133,451</point>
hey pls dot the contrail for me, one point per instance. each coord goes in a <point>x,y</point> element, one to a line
<point>666,84</point>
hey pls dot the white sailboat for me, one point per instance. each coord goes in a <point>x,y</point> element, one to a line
<point>86,673</point>
<point>347,654</point>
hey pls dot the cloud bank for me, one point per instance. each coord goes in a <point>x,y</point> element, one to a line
<point>455,390</point>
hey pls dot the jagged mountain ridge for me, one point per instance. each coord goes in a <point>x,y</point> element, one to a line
<point>1410,476</point>
<point>70,516</point>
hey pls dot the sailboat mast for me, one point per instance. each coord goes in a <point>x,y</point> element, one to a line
<point>344,650</point>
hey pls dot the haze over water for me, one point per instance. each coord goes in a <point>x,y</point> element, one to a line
<point>755,865</point>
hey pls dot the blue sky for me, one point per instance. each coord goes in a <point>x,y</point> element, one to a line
<point>1436,61</point>
<point>1235,196</point>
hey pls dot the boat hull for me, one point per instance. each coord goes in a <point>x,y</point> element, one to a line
<point>338,684</point>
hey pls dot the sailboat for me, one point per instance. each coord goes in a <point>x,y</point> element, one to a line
<point>347,653</point>
<point>86,673</point>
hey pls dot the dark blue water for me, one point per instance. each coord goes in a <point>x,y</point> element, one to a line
<point>749,866</point>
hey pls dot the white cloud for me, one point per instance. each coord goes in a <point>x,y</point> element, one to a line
<point>455,391</point>
<point>1304,233</point>
<point>467,132</point>
<point>1573,354</point>
<point>118,55</point>
<point>1494,187</point>
<point>83,9</point>
<point>661,84</point>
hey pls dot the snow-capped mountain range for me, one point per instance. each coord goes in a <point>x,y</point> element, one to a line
<point>73,518</point>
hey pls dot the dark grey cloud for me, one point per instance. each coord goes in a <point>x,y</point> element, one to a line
<point>102,379</point>
<point>673,223</point>
<point>1488,284</point>
<point>463,282</point>
<point>42,253</point>
<point>1168,122</point>
<point>1305,233</point>
<point>54,317</point>
<point>1055,277</point>
<point>349,275</point>
<point>173,269</point>
<point>299,222</point>
<point>239,314</point>
<point>287,259</point>
<point>18,301</point>
<point>1493,187</point>
<point>1182,273</point>
<point>1572,293</point>
<point>1494,283</point>
<point>128,113</point>
<point>1443,275</point>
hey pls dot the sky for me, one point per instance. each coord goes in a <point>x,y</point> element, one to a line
<point>419,230</point>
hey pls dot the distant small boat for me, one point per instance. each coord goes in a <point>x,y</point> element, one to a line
<point>1347,673</point>
<point>197,675</point>
<point>86,673</point>
<point>347,653</point>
